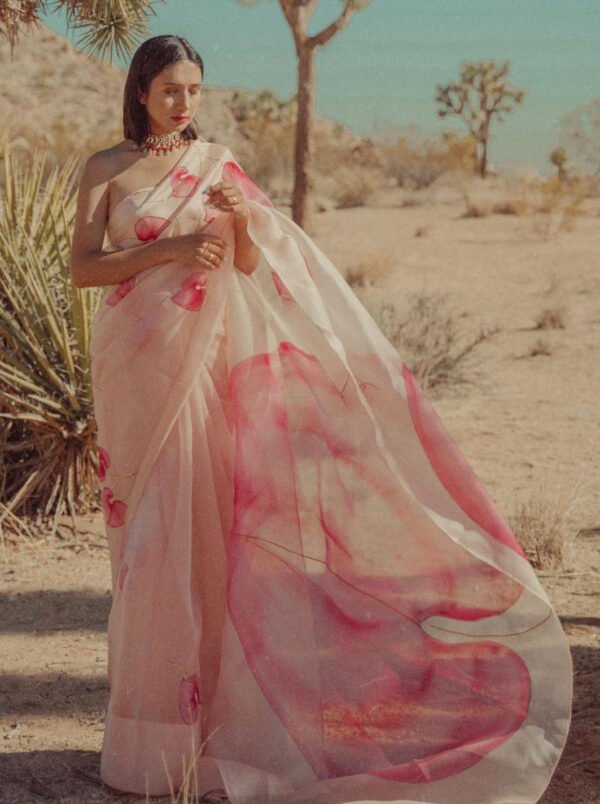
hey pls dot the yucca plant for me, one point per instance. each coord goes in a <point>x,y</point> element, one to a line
<point>46,415</point>
<point>108,27</point>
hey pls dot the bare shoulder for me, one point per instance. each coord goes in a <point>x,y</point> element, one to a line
<point>102,166</point>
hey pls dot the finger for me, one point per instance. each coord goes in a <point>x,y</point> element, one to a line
<point>213,253</point>
<point>216,256</point>
<point>208,263</point>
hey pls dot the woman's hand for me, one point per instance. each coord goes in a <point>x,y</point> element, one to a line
<point>227,196</point>
<point>204,250</point>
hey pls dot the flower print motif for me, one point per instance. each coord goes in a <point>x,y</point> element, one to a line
<point>401,683</point>
<point>124,569</point>
<point>183,183</point>
<point>114,509</point>
<point>190,698</point>
<point>281,288</point>
<point>233,172</point>
<point>103,462</point>
<point>121,291</point>
<point>150,227</point>
<point>191,294</point>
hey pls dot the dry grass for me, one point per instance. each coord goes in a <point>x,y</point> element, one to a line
<point>430,334</point>
<point>553,203</point>
<point>188,793</point>
<point>369,272</point>
<point>15,530</point>
<point>477,209</point>
<point>551,318</point>
<point>557,204</point>
<point>510,206</point>
<point>414,160</point>
<point>541,525</point>
<point>541,347</point>
<point>350,186</point>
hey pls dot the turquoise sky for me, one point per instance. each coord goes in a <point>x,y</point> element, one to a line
<point>385,65</point>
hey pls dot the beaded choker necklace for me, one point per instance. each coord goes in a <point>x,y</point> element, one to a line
<point>162,144</point>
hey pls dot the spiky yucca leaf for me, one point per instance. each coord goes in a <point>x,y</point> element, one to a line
<point>18,14</point>
<point>49,459</point>
<point>109,26</point>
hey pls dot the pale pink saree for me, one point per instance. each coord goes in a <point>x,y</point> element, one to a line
<point>313,595</point>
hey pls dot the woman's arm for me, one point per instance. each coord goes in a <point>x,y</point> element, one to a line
<point>246,254</point>
<point>91,266</point>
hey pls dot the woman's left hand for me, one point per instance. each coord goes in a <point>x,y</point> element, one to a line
<point>227,196</point>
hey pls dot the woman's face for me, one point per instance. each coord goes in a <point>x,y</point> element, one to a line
<point>173,97</point>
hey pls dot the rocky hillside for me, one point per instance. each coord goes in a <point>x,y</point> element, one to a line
<point>63,100</point>
<point>54,95</point>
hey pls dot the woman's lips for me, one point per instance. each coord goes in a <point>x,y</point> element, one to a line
<point>180,117</point>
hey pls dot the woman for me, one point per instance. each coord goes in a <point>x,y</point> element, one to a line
<point>314,598</point>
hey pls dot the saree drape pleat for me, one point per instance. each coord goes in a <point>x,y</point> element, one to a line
<point>314,598</point>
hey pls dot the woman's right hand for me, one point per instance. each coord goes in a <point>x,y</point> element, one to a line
<point>204,250</point>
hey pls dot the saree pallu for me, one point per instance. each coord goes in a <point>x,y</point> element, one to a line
<point>314,598</point>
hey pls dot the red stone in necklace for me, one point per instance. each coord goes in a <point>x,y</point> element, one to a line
<point>162,144</point>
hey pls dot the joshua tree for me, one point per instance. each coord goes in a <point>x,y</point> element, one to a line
<point>558,157</point>
<point>107,26</point>
<point>110,26</point>
<point>298,14</point>
<point>481,94</point>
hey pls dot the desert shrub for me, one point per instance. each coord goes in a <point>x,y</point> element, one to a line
<point>551,318</point>
<point>461,152</point>
<point>369,271</point>
<point>510,206</point>
<point>356,276</point>
<point>541,525</point>
<point>48,429</point>
<point>554,203</point>
<point>557,203</point>
<point>350,186</point>
<point>476,208</point>
<point>541,347</point>
<point>416,161</point>
<point>431,336</point>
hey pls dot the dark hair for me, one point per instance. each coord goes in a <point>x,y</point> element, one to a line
<point>149,59</point>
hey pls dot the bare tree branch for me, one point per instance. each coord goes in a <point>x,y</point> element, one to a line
<point>349,10</point>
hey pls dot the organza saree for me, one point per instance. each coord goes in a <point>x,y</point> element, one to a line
<point>314,598</point>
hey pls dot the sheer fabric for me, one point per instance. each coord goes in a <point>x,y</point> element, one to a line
<point>314,598</point>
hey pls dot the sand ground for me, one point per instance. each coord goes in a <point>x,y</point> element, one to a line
<point>528,423</point>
